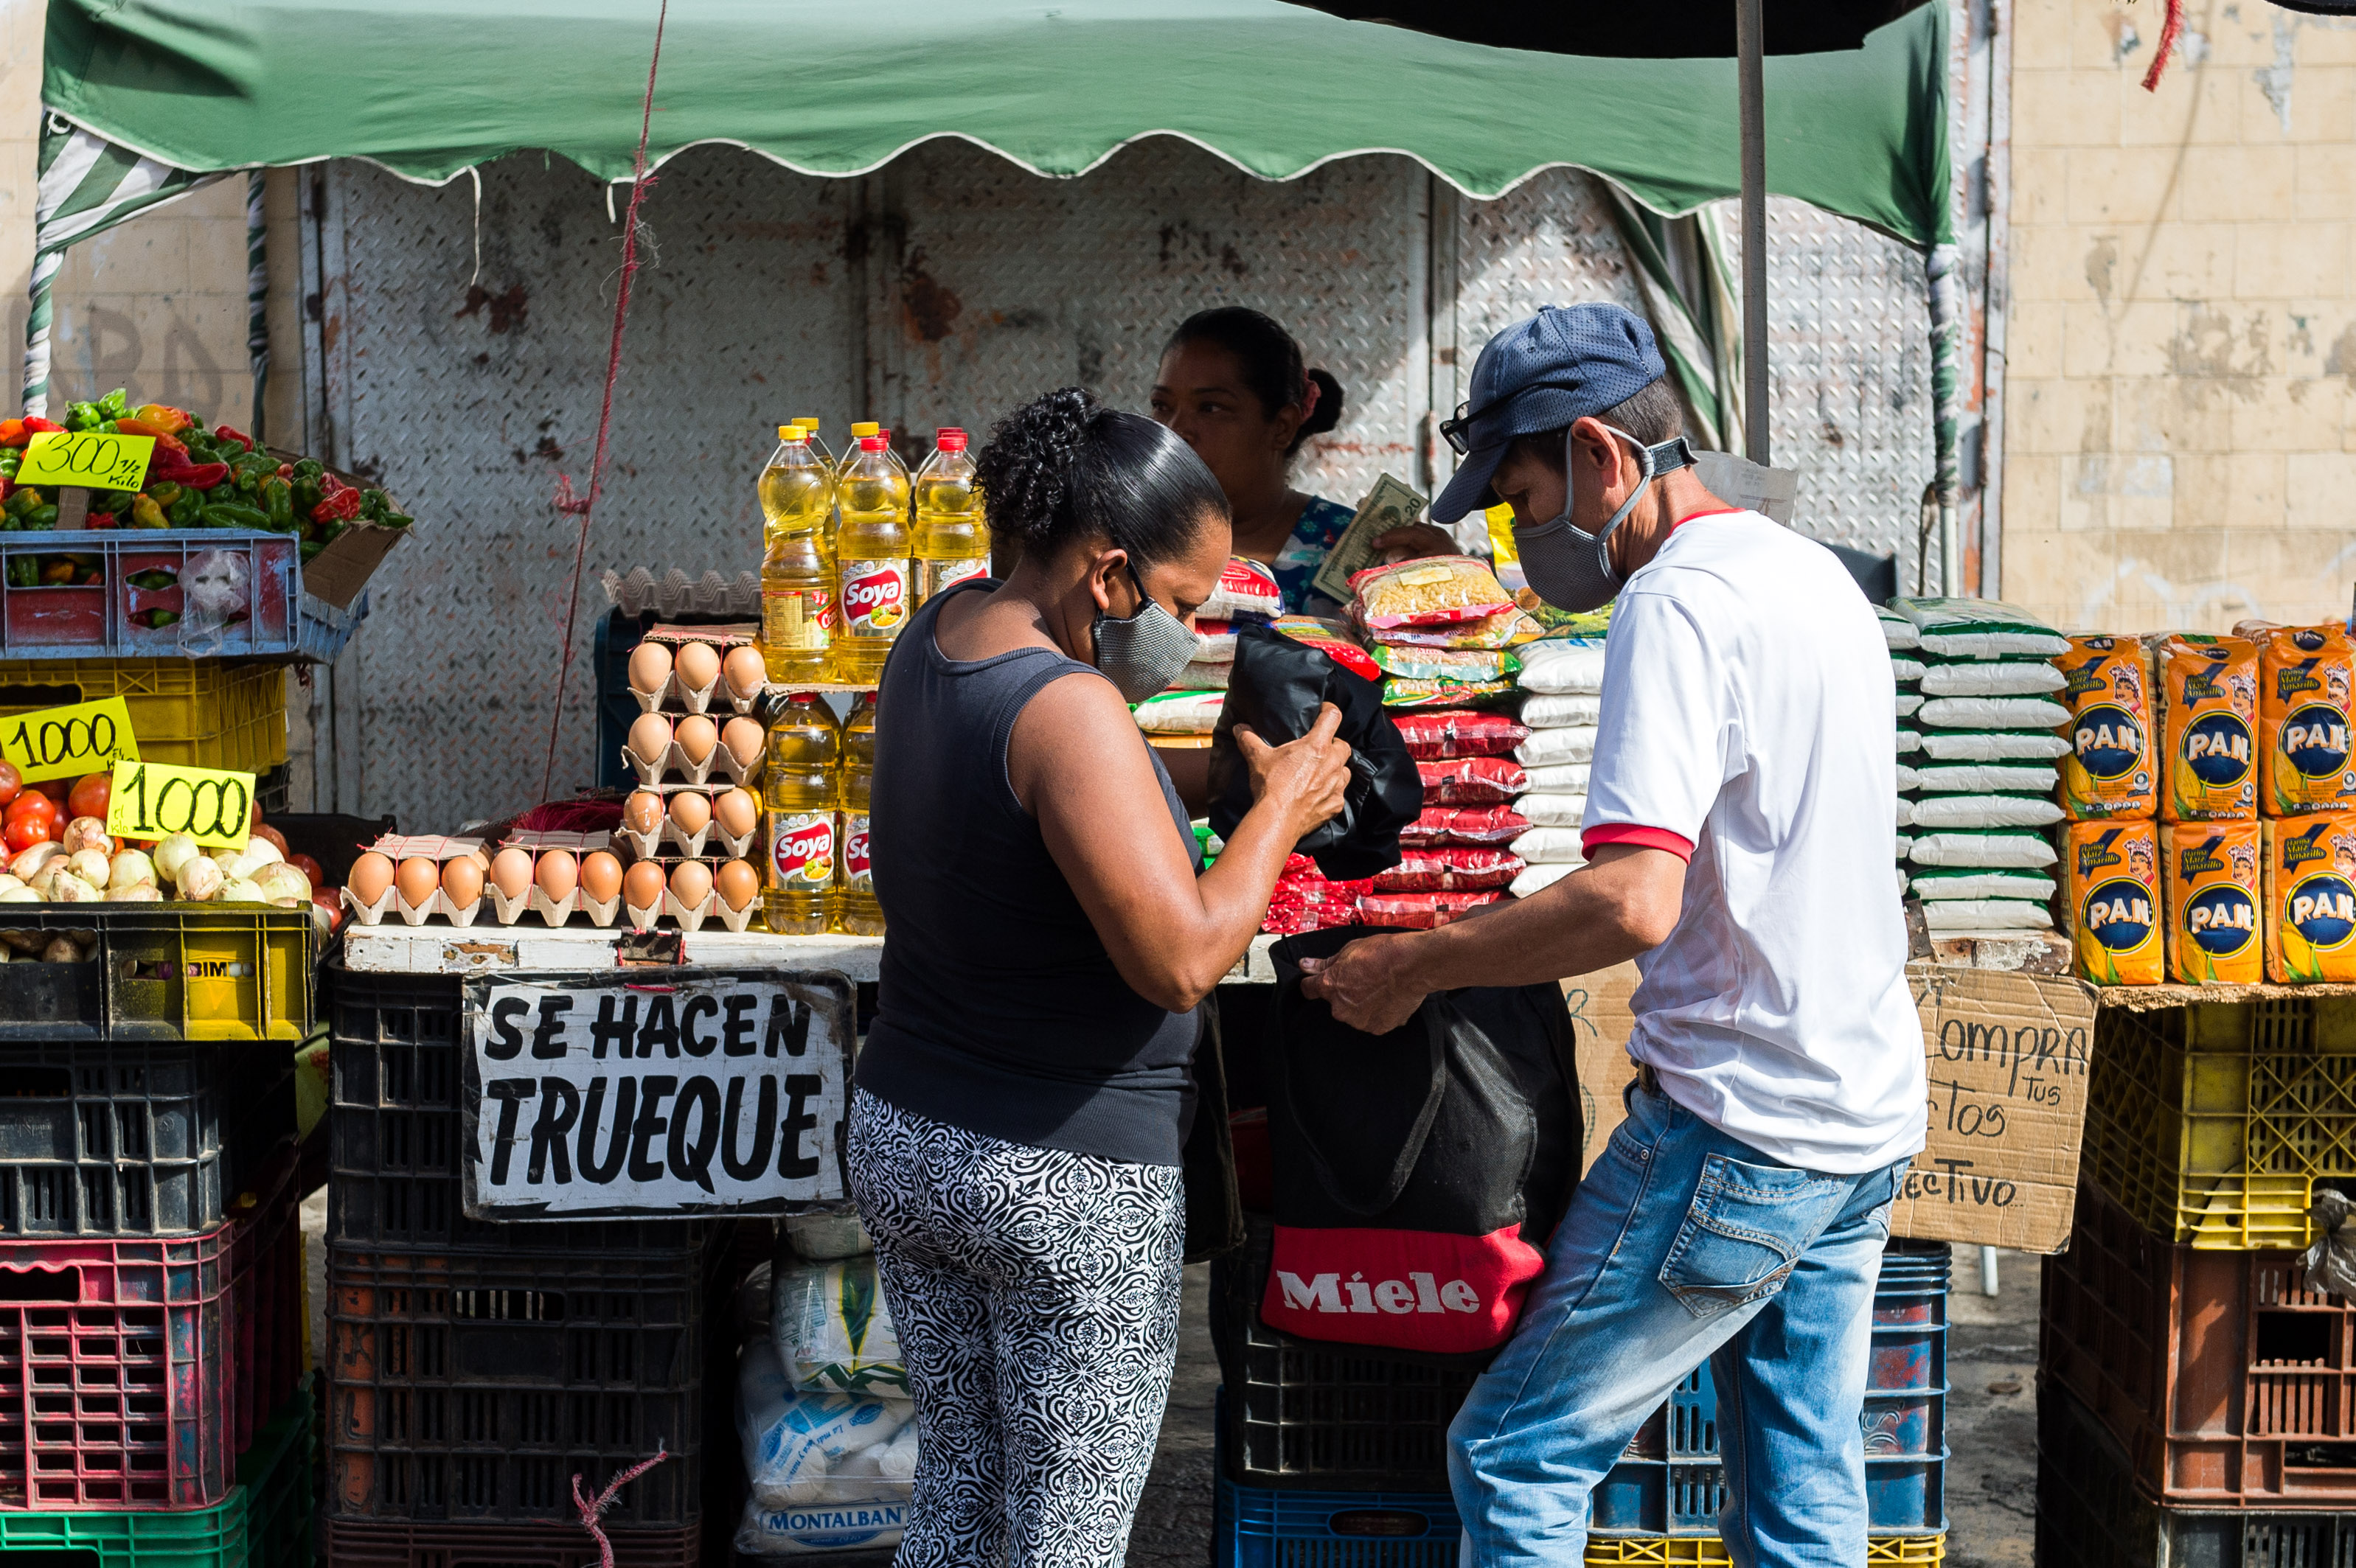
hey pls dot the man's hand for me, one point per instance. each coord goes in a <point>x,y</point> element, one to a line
<point>1369,984</point>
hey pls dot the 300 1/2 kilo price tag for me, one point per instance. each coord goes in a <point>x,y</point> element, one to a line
<point>155,800</point>
<point>68,741</point>
<point>98,459</point>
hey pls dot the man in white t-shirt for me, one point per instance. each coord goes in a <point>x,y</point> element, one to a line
<point>1740,812</point>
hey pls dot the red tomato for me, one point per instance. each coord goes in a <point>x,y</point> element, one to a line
<point>89,796</point>
<point>12,783</point>
<point>54,790</point>
<point>331,901</point>
<point>31,807</point>
<point>310,868</point>
<point>4,855</point>
<point>24,832</point>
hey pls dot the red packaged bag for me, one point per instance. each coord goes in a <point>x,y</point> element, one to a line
<point>1330,638</point>
<point>1472,825</point>
<point>1472,781</point>
<point>1452,733</point>
<point>1449,870</point>
<point>1420,912</point>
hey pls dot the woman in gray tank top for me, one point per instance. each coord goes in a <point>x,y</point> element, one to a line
<point>1024,1089</point>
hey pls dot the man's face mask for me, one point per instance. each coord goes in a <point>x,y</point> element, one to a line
<point>1571,568</point>
<point>1144,653</point>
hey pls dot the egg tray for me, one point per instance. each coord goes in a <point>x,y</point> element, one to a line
<point>683,700</point>
<point>504,911</point>
<point>650,846</point>
<point>721,762</point>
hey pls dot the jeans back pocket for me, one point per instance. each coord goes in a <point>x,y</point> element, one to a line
<point>1745,1227</point>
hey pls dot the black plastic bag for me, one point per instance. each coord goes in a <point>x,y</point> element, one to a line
<point>1276,687</point>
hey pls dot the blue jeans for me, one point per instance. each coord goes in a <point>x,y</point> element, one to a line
<point>1682,1245</point>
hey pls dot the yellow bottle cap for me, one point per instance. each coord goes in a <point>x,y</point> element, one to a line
<point>807,423</point>
<point>865,428</point>
<point>790,432</point>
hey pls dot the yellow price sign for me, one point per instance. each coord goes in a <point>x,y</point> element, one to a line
<point>66,742</point>
<point>96,459</point>
<point>155,800</point>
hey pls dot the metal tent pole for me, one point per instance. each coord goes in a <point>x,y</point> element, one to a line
<point>1751,50</point>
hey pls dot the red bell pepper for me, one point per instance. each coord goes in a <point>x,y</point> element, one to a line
<point>229,432</point>
<point>35,425</point>
<point>172,462</point>
<point>165,440</point>
<point>14,433</point>
<point>99,521</point>
<point>338,506</point>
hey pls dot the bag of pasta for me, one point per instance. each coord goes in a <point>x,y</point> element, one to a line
<point>1433,590</point>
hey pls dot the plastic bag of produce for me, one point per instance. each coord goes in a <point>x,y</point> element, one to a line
<point>2110,769</point>
<point>1421,912</point>
<point>1564,778</point>
<point>1908,741</point>
<point>1536,879</point>
<point>1470,824</point>
<point>1447,870</point>
<point>1552,847</point>
<point>1905,813</point>
<point>2209,716</point>
<point>1431,591</point>
<point>1215,641</point>
<point>1896,629</point>
<point>1903,669</point>
<point>832,1330</point>
<point>1971,628</point>
<point>1984,917</point>
<point>1505,629</point>
<point>2019,849</point>
<point>1203,675</point>
<point>1463,664</point>
<point>1982,884</point>
<point>1907,702</point>
<point>1984,811</point>
<point>1553,810</point>
<point>1404,691</point>
<point>1985,778</point>
<point>821,1528</point>
<point>1435,736</point>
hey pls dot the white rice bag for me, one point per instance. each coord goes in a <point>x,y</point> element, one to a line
<point>1199,676</point>
<point>1908,701</point>
<point>1896,629</point>
<point>1984,811</point>
<point>1548,711</point>
<point>828,1528</point>
<point>1908,741</point>
<point>1181,712</point>
<point>1906,776</point>
<point>1982,884</point>
<point>1992,677</point>
<point>1993,746</point>
<point>1215,641</point>
<point>1980,917</point>
<point>1246,588</point>
<point>1904,670</point>
<point>1544,748</point>
<point>833,1331</point>
<point>1562,668</point>
<point>2013,848</point>
<point>1905,812</point>
<point>1558,778</point>
<point>1552,810</point>
<point>1989,778</point>
<point>1905,845</point>
<point>1534,879</point>
<point>1972,628</point>
<point>1551,847</point>
<point>796,1444</point>
<point>1993,713</point>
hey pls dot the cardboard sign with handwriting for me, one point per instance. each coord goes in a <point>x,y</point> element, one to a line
<point>1599,1020</point>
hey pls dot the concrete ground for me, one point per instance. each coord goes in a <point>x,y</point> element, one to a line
<point>1991,1426</point>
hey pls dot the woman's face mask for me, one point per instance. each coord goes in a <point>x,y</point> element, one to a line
<point>1571,568</point>
<point>1143,653</point>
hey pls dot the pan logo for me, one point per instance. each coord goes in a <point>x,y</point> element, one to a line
<point>2314,741</point>
<point>1417,1293</point>
<point>2221,921</point>
<point>2322,910</point>
<point>2217,749</point>
<point>2119,914</point>
<point>2107,741</point>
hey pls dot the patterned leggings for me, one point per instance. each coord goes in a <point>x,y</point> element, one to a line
<point>1035,1293</point>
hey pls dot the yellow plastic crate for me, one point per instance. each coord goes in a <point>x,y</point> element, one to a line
<point>162,971</point>
<point>1710,1552</point>
<point>199,713</point>
<point>2211,1123</point>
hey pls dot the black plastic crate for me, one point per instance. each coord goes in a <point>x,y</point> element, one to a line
<point>473,1389</point>
<point>136,1139</point>
<point>396,1138</point>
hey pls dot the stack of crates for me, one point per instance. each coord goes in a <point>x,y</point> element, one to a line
<point>1337,1453</point>
<point>473,1368</point>
<point>2198,1404</point>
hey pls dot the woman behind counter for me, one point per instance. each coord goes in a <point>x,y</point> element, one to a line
<point>1024,1091</point>
<point>1234,386</point>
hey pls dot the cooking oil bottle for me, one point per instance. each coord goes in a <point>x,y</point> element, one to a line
<point>870,562</point>
<point>860,915</point>
<point>802,790</point>
<point>952,541</point>
<point>797,580</point>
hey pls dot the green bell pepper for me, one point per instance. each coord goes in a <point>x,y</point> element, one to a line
<point>235,514</point>
<point>115,405</point>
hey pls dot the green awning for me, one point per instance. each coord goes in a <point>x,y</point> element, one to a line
<point>428,89</point>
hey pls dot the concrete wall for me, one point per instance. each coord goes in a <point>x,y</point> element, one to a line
<point>2178,442</point>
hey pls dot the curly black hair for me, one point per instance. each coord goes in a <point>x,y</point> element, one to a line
<point>1065,467</point>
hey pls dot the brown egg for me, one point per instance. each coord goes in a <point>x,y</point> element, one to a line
<point>601,875</point>
<point>650,737</point>
<point>699,665</point>
<point>417,879</point>
<point>642,887</point>
<point>511,872</point>
<point>744,671</point>
<point>690,811</point>
<point>691,882</point>
<point>461,881</point>
<point>556,874</point>
<point>649,667</point>
<point>736,812</point>
<point>643,812</point>
<point>371,875</point>
<point>742,739</point>
<point>739,884</point>
<point>696,736</point>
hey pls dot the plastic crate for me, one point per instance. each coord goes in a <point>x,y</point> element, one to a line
<point>2210,1122</point>
<point>2090,1514</point>
<point>354,1544</point>
<point>265,1316</point>
<point>274,1477</point>
<point>124,1384</point>
<point>2226,1382</point>
<point>163,971</point>
<point>1710,1552</point>
<point>617,636</point>
<point>199,713</point>
<point>1303,1412</point>
<point>473,1389</point>
<point>270,616</point>
<point>396,1138</point>
<point>195,1538</point>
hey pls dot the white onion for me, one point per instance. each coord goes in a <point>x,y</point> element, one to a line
<point>241,890</point>
<point>86,832</point>
<point>93,867</point>
<point>174,853</point>
<point>259,852</point>
<point>19,896</point>
<point>131,868</point>
<point>282,881</point>
<point>200,879</point>
<point>137,893</point>
<point>68,889</point>
<point>26,865</point>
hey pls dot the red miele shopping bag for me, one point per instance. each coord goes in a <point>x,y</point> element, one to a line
<point>1417,1174</point>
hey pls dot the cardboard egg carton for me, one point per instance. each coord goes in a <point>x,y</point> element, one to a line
<point>724,846</point>
<point>500,909</point>
<point>721,763</point>
<point>690,917</point>
<point>676,695</point>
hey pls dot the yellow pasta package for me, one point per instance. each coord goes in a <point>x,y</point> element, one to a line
<point>2310,894</point>
<point>2209,712</point>
<point>2213,882</point>
<point>2304,677</point>
<point>2108,769</point>
<point>2110,881</point>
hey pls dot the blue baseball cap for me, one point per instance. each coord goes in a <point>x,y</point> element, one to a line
<point>1564,364</point>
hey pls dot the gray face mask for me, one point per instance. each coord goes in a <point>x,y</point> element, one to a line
<point>1143,654</point>
<point>1571,568</point>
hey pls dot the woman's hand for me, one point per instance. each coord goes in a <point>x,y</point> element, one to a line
<point>1416,540</point>
<point>1304,779</point>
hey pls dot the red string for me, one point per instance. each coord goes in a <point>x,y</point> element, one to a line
<point>2169,31</point>
<point>592,1510</point>
<point>640,183</point>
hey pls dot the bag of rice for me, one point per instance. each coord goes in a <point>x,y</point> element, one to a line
<point>1550,711</point>
<point>1467,665</point>
<point>1405,691</point>
<point>1544,748</point>
<point>1992,746</point>
<point>1979,883</point>
<point>1903,669</point>
<point>2112,897</point>
<point>1987,778</point>
<point>1905,845</point>
<point>1908,702</point>
<point>1905,812</point>
<point>1202,676</point>
<point>1563,668</point>
<point>1992,677</point>
<point>1181,712</point>
<point>1432,591</point>
<point>1984,917</point>
<point>1907,777</point>
<point>1332,638</point>
<point>1904,881</point>
<point>1908,741</point>
<point>1973,627</point>
<point>1984,811</point>
<point>2208,715</point>
<point>1432,736</point>
<point>1246,588</point>
<point>2306,676</point>
<point>1896,629</point>
<point>1471,781</point>
<point>1447,870</point>
<point>1421,912</point>
<point>1538,878</point>
<point>2109,769</point>
<point>1993,713</point>
<point>1553,810</point>
<point>1506,628</point>
<point>832,1329</point>
<point>1215,641</point>
<point>1561,778</point>
<point>1999,847</point>
<point>1551,845</point>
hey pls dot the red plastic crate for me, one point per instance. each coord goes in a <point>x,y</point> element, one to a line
<point>369,1543</point>
<point>265,1302</point>
<point>111,615</point>
<point>121,1384</point>
<point>2226,1381</point>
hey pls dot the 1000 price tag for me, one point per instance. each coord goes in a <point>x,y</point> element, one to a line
<point>65,742</point>
<point>155,800</point>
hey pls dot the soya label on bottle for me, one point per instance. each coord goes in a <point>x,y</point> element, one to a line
<point>796,618</point>
<point>802,845</point>
<point>875,598</point>
<point>855,874</point>
<point>937,576</point>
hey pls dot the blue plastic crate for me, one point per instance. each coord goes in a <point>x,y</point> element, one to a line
<point>132,604</point>
<point>1903,1495</point>
<point>1252,1527</point>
